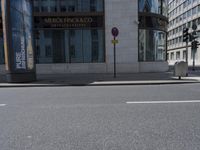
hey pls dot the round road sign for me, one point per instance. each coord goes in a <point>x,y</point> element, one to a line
<point>115,32</point>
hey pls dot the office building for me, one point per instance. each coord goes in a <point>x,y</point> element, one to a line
<point>74,36</point>
<point>182,14</point>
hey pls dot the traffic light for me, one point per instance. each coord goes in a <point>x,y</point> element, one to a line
<point>193,36</point>
<point>185,34</point>
<point>195,45</point>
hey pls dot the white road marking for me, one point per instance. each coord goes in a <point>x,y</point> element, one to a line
<point>163,102</point>
<point>2,105</point>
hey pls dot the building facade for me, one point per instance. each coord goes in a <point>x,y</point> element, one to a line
<point>74,36</point>
<point>182,14</point>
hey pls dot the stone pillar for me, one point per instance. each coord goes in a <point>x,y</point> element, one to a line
<point>122,14</point>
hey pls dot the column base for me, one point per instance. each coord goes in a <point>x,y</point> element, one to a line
<point>21,77</point>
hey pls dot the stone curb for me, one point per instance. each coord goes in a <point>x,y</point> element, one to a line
<point>97,84</point>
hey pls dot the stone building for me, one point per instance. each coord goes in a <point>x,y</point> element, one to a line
<point>74,36</point>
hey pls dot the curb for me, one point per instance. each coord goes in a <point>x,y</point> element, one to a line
<point>154,83</point>
<point>94,84</point>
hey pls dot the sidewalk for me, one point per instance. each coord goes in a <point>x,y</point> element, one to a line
<point>44,80</point>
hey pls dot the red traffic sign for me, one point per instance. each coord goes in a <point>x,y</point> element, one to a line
<point>115,31</point>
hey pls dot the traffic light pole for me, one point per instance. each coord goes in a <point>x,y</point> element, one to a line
<point>193,65</point>
<point>194,50</point>
<point>185,39</point>
<point>186,52</point>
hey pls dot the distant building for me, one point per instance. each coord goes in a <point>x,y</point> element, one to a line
<point>182,14</point>
<point>74,36</point>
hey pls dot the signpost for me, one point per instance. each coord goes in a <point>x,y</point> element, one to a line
<point>115,33</point>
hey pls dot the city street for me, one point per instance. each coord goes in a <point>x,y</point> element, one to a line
<point>142,117</point>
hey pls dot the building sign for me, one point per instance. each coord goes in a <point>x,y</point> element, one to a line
<point>69,22</point>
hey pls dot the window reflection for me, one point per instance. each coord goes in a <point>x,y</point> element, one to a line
<point>153,6</point>
<point>165,8</point>
<point>152,45</point>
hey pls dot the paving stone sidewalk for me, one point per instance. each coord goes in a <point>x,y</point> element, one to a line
<point>105,79</point>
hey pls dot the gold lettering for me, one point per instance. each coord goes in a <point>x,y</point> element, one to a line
<point>73,22</point>
<point>68,20</point>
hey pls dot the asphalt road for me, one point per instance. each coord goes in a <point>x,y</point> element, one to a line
<point>99,118</point>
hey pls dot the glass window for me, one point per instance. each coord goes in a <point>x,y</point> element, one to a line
<point>172,56</point>
<point>70,46</point>
<point>149,6</point>
<point>152,45</point>
<point>194,10</point>
<point>178,56</point>
<point>68,5</point>
<point>154,6</point>
<point>184,55</point>
<point>93,46</point>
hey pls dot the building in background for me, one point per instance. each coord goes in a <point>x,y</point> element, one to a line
<point>74,36</point>
<point>182,14</point>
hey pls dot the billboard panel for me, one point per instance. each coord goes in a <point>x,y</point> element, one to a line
<point>21,24</point>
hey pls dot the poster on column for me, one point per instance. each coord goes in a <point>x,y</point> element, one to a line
<point>21,21</point>
<point>17,29</point>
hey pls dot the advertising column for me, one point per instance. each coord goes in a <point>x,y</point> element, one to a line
<point>18,40</point>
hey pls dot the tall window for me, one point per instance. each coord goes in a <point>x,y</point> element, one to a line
<point>152,45</point>
<point>152,30</point>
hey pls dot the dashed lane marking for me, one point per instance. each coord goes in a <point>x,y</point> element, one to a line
<point>1,105</point>
<point>163,102</point>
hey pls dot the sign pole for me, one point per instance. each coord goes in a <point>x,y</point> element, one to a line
<point>115,33</point>
<point>187,51</point>
<point>114,58</point>
<point>193,66</point>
